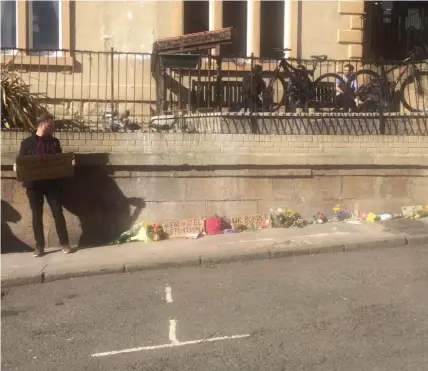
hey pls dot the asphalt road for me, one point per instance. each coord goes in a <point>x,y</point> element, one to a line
<point>344,311</point>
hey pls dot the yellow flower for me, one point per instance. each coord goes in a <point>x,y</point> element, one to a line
<point>371,217</point>
<point>336,208</point>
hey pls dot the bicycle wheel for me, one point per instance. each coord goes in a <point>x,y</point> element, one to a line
<point>276,92</point>
<point>414,92</point>
<point>324,94</point>
<point>369,90</point>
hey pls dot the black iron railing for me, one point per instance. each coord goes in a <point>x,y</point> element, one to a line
<point>115,91</point>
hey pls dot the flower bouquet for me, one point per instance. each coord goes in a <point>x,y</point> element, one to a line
<point>286,218</point>
<point>155,232</point>
<point>143,232</point>
<point>341,215</point>
<point>319,218</point>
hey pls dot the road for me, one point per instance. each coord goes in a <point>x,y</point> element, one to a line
<point>343,311</point>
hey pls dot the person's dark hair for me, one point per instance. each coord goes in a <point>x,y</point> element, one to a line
<point>349,66</point>
<point>45,116</point>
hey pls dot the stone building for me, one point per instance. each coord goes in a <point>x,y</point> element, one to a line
<point>90,79</point>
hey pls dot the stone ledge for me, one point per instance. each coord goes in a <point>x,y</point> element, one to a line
<point>419,172</point>
<point>278,172</point>
<point>224,159</point>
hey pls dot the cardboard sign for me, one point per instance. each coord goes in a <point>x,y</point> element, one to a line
<point>185,226</point>
<point>248,220</point>
<point>43,167</point>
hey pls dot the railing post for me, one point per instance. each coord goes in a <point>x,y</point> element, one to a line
<point>382,123</point>
<point>210,87</point>
<point>384,88</point>
<point>112,80</point>
<point>218,88</point>
<point>253,119</point>
<point>252,90</point>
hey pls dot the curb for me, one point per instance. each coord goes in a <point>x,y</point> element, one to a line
<point>274,252</point>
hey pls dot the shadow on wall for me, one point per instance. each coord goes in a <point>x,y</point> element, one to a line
<point>94,197</point>
<point>9,242</point>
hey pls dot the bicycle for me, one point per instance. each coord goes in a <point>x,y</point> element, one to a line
<point>383,94</point>
<point>302,88</point>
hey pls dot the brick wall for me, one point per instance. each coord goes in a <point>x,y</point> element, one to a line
<point>156,143</point>
<point>185,175</point>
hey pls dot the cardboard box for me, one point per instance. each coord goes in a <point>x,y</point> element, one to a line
<point>43,167</point>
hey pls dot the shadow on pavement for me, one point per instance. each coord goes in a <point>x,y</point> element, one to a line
<point>9,242</point>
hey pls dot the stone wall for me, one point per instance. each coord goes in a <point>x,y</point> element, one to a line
<point>123,177</point>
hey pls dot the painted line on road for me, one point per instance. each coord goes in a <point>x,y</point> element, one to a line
<point>173,331</point>
<point>260,239</point>
<point>168,294</point>
<point>328,234</point>
<point>170,345</point>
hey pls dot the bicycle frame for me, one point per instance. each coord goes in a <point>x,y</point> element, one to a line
<point>389,89</point>
<point>291,71</point>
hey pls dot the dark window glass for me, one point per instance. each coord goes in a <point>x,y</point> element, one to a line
<point>271,28</point>
<point>8,24</point>
<point>196,16</point>
<point>235,15</point>
<point>43,25</point>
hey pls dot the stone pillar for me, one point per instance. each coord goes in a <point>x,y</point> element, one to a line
<point>177,19</point>
<point>352,35</point>
<point>215,14</point>
<point>21,39</point>
<point>287,26</point>
<point>253,27</point>
<point>215,19</point>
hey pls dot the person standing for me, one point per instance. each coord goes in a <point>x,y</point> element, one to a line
<point>42,142</point>
<point>253,86</point>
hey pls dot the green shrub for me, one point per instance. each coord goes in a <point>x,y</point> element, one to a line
<point>19,107</point>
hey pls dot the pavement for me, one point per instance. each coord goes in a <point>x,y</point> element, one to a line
<point>363,310</point>
<point>22,269</point>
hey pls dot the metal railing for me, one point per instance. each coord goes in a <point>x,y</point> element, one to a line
<point>115,91</point>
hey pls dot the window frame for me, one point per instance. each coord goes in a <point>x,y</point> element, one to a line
<point>13,51</point>
<point>22,55</point>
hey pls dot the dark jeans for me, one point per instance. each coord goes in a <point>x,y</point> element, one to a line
<point>252,103</point>
<point>346,102</point>
<point>36,196</point>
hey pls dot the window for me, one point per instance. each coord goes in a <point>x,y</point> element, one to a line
<point>196,16</point>
<point>44,25</point>
<point>235,15</point>
<point>392,29</point>
<point>41,26</point>
<point>271,28</point>
<point>8,24</point>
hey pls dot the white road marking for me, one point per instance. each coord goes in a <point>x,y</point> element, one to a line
<point>173,331</point>
<point>168,296</point>
<point>244,241</point>
<point>328,234</point>
<point>170,345</point>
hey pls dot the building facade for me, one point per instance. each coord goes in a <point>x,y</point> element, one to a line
<point>63,49</point>
<point>306,27</point>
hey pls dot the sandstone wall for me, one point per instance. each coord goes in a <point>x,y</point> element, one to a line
<point>186,175</point>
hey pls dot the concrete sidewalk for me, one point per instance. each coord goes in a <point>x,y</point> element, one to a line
<point>22,268</point>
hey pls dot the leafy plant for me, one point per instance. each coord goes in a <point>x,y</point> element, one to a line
<point>19,106</point>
